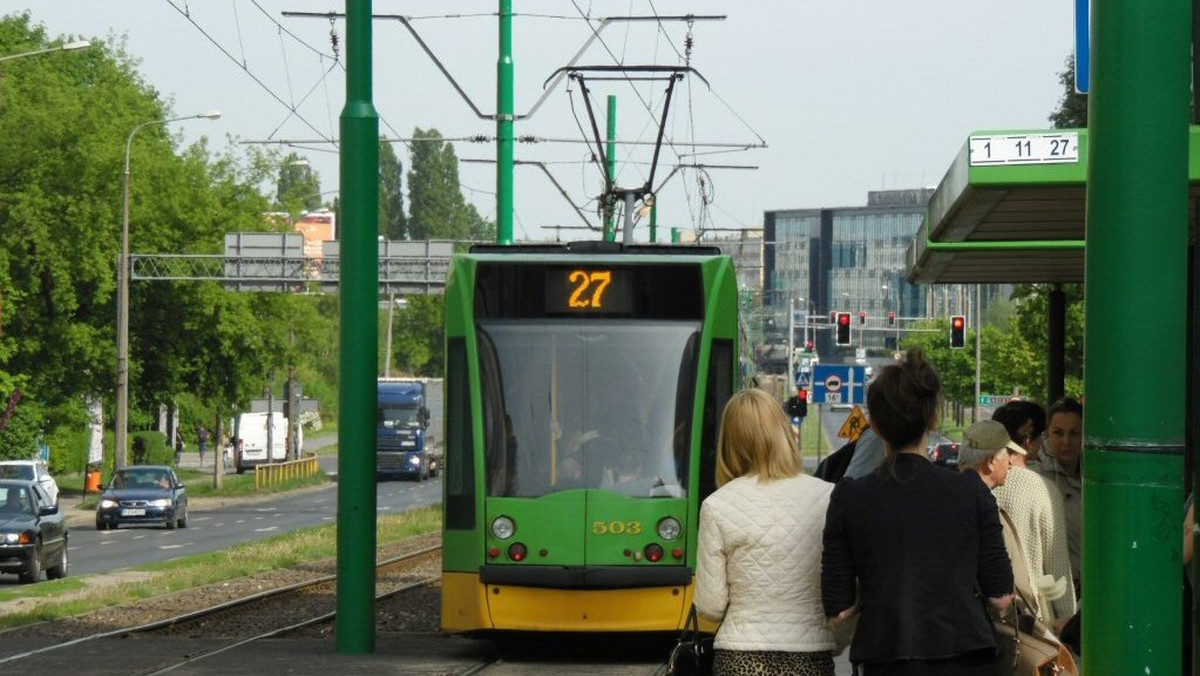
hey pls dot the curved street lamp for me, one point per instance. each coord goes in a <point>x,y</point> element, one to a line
<point>121,423</point>
<point>68,47</point>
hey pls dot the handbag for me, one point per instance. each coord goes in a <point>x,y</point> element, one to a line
<point>693,651</point>
<point>1027,647</point>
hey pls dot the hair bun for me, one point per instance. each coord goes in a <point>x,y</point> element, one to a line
<point>921,380</point>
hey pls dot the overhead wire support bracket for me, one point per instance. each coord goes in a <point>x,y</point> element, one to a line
<point>406,21</point>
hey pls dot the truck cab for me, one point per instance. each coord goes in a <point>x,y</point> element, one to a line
<point>403,445</point>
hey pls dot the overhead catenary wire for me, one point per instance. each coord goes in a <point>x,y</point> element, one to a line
<point>187,15</point>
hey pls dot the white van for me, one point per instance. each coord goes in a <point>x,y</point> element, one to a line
<point>250,449</point>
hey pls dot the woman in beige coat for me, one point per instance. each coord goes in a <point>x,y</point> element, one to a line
<point>758,569</point>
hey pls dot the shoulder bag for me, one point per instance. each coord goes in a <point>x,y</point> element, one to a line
<point>693,651</point>
<point>1027,646</point>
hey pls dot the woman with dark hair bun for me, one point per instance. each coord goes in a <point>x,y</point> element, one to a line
<point>912,547</point>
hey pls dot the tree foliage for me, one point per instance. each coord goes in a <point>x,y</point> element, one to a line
<point>1072,107</point>
<point>417,336</point>
<point>393,224</point>
<point>437,209</point>
<point>298,187</point>
<point>65,119</point>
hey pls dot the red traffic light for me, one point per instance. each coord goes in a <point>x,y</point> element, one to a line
<point>862,317</point>
<point>843,329</point>
<point>958,326</point>
<point>891,319</point>
<point>803,394</point>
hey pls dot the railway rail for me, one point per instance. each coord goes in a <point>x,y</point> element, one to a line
<point>273,612</point>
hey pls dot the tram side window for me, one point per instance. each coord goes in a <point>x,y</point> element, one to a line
<point>460,462</point>
<point>720,389</point>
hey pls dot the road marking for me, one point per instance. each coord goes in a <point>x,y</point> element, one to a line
<point>267,529</point>
<point>173,546</point>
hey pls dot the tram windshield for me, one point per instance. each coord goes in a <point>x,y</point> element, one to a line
<point>574,404</point>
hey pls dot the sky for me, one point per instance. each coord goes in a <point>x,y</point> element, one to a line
<point>847,96</point>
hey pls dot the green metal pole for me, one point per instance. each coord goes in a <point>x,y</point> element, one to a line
<point>674,235</point>
<point>654,222</point>
<point>504,128</point>
<point>1136,260</point>
<point>359,252</point>
<point>610,217</point>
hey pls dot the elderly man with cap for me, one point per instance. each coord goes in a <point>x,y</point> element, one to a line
<point>1025,499</point>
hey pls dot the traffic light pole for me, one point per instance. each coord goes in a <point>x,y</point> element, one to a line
<point>1137,225</point>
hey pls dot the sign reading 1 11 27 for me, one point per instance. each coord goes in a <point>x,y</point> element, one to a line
<point>1024,149</point>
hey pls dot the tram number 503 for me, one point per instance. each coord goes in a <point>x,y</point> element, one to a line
<point>616,527</point>
<point>588,287</point>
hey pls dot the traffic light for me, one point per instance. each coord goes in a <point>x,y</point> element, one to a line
<point>891,319</point>
<point>810,346</point>
<point>862,317</point>
<point>843,328</point>
<point>958,330</point>
<point>833,317</point>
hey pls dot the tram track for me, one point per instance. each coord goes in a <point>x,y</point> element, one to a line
<point>255,610</point>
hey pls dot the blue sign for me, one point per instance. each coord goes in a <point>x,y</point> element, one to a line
<point>1083,45</point>
<point>839,384</point>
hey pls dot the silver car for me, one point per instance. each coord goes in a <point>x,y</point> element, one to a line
<point>30,470</point>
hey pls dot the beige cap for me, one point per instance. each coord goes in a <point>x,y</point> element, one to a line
<point>983,440</point>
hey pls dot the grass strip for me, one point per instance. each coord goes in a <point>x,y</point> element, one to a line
<point>59,599</point>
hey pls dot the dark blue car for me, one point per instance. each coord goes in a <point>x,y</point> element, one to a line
<point>143,495</point>
<point>33,532</point>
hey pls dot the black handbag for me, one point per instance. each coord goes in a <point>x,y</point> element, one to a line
<point>693,652</point>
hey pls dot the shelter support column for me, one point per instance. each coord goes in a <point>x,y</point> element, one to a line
<point>1056,342</point>
<point>1133,428</point>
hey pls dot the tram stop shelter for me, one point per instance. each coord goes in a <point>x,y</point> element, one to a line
<point>1011,210</point>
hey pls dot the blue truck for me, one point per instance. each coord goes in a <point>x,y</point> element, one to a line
<point>408,427</point>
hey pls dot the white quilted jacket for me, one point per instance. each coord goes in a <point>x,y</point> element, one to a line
<point>759,564</point>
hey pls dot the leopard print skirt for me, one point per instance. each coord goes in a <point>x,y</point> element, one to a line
<point>771,663</point>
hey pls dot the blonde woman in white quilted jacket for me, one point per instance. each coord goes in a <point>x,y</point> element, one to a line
<point>758,570</point>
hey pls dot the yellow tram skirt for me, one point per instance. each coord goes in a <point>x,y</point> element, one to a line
<point>469,605</point>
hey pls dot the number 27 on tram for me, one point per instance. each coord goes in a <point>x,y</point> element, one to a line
<point>584,387</point>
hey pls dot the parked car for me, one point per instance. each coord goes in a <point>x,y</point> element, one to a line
<point>143,494</point>
<point>33,532</point>
<point>943,450</point>
<point>30,470</point>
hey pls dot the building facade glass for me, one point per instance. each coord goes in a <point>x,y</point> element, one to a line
<point>848,259</point>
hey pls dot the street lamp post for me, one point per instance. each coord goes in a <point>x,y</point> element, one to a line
<point>121,423</point>
<point>68,47</point>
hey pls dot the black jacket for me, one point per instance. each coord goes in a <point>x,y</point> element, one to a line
<point>833,467</point>
<point>924,549</point>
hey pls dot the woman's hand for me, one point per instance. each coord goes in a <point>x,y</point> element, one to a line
<point>843,616</point>
<point>1001,603</point>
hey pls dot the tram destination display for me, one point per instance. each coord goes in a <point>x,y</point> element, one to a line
<point>619,291</point>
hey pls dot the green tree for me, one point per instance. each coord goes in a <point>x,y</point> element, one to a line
<point>393,224</point>
<point>417,336</point>
<point>298,187</point>
<point>1072,107</point>
<point>437,209</point>
<point>60,237</point>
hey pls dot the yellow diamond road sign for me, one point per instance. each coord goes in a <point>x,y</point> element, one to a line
<point>855,425</point>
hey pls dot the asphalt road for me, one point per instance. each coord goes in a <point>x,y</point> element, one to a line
<point>222,527</point>
<point>219,527</point>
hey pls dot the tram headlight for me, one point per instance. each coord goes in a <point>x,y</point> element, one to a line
<point>503,527</point>
<point>669,528</point>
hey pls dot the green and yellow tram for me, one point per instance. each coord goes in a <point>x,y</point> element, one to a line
<point>584,385</point>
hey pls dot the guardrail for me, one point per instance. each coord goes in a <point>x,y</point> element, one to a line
<point>277,472</point>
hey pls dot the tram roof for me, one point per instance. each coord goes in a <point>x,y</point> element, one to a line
<point>594,249</point>
<point>1012,202</point>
